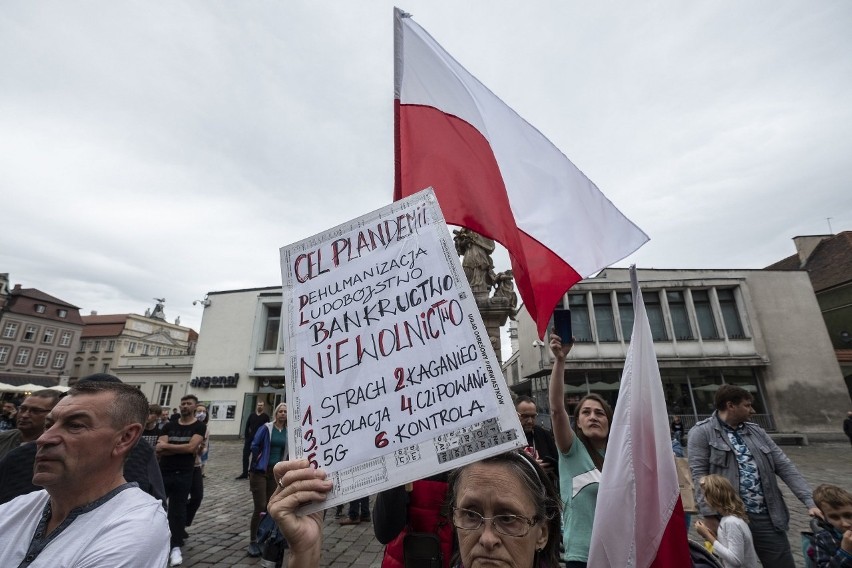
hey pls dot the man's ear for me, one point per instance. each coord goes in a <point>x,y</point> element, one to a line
<point>127,438</point>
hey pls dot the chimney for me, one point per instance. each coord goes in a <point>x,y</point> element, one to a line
<point>93,313</point>
<point>805,246</point>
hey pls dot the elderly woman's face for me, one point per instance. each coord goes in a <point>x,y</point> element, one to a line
<point>495,489</point>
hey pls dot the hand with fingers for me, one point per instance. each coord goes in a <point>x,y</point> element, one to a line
<point>299,484</point>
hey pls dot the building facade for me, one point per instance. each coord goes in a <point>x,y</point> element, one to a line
<point>38,336</point>
<point>758,329</point>
<point>146,351</point>
<point>827,260</point>
<point>239,359</point>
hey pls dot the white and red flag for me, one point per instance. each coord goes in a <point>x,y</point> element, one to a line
<point>496,174</point>
<point>639,518</point>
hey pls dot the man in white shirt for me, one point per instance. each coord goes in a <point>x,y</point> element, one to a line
<point>87,515</point>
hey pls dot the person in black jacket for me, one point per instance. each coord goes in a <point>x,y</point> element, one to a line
<point>253,422</point>
<point>540,443</point>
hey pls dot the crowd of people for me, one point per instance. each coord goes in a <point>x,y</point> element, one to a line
<point>99,477</point>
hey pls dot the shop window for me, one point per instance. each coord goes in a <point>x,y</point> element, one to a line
<point>704,314</point>
<point>625,313</point>
<point>273,327</point>
<point>604,317</point>
<point>730,313</point>
<point>680,319</point>
<point>655,316</point>
<point>164,397</point>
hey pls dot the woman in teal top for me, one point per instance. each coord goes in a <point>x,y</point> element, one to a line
<point>267,449</point>
<point>580,464</point>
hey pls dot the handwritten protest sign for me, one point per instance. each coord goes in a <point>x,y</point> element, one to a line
<point>391,373</point>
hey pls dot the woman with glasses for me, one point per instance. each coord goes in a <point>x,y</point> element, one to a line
<point>581,457</point>
<point>505,511</point>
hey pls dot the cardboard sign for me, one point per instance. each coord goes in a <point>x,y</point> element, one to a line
<point>391,374</point>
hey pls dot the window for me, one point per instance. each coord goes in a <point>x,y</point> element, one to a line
<point>730,315</point>
<point>655,316</point>
<point>625,313</point>
<point>48,336</point>
<point>41,358</point>
<point>145,350</point>
<point>4,353</point>
<point>62,313</point>
<point>83,345</point>
<point>11,330</point>
<point>59,360</point>
<point>580,324</point>
<point>165,396</point>
<point>167,351</point>
<point>131,347</point>
<point>704,314</point>
<point>65,338</point>
<point>156,351</point>
<point>39,308</point>
<point>604,317</point>
<point>30,333</point>
<point>680,319</point>
<point>96,346</point>
<point>23,356</point>
<point>273,325</point>
<point>105,368</point>
<point>110,346</point>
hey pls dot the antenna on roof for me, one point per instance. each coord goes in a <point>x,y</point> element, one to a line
<point>828,219</point>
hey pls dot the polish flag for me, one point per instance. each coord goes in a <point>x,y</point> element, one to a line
<point>497,175</point>
<point>639,518</point>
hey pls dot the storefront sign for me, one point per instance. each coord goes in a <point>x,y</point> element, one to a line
<point>215,382</point>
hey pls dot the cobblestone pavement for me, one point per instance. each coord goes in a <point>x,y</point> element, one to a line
<point>219,536</point>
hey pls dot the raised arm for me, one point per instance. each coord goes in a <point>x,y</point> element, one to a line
<point>298,484</point>
<point>562,432</point>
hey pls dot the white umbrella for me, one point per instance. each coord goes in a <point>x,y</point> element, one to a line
<point>30,387</point>
<point>7,388</point>
<point>60,388</point>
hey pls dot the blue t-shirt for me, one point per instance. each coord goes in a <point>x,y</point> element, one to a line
<point>578,483</point>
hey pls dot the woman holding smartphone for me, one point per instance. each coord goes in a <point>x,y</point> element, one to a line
<point>581,457</point>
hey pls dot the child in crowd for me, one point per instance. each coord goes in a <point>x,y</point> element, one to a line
<point>833,545</point>
<point>733,545</point>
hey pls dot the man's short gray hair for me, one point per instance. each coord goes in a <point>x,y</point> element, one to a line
<point>130,406</point>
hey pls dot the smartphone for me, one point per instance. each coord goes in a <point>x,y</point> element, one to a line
<point>562,325</point>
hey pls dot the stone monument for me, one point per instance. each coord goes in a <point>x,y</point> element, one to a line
<point>494,292</point>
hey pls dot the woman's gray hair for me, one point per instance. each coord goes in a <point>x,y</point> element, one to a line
<point>540,488</point>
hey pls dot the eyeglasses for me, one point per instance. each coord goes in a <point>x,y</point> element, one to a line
<point>32,410</point>
<point>527,416</point>
<point>509,525</point>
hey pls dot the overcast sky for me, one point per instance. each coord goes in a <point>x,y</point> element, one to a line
<point>167,149</point>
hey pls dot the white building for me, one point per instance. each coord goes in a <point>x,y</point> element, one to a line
<point>759,329</point>
<point>238,359</point>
